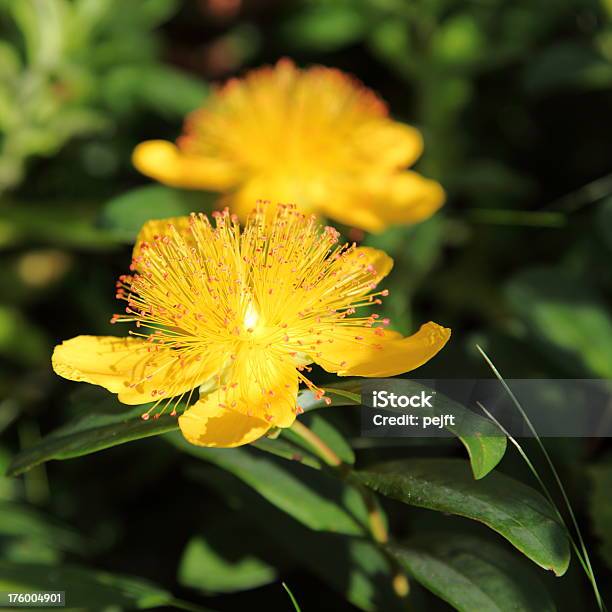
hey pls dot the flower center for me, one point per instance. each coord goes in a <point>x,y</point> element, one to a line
<point>251,317</point>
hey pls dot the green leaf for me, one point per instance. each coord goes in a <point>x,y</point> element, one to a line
<point>28,535</point>
<point>85,589</point>
<point>134,17</point>
<point>127,213</point>
<point>42,26</point>
<point>68,224</point>
<point>314,498</point>
<point>356,568</point>
<point>220,563</point>
<point>390,41</point>
<point>10,64</point>
<point>325,27</point>
<point>291,446</point>
<point>459,42</point>
<point>514,510</point>
<point>20,340</point>
<point>151,13</point>
<point>165,90</point>
<point>600,508</point>
<point>105,423</point>
<point>287,450</point>
<point>484,451</point>
<point>569,320</point>
<point>471,574</point>
<point>20,521</point>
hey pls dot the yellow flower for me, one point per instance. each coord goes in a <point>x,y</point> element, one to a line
<point>316,138</point>
<point>239,316</point>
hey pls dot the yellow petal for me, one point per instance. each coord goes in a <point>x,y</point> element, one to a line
<point>307,193</point>
<point>126,367</point>
<point>160,227</point>
<point>166,163</point>
<point>358,352</point>
<point>368,257</point>
<point>355,210</point>
<point>388,144</point>
<point>259,392</point>
<point>406,198</point>
<point>207,424</point>
<point>262,384</point>
<point>381,200</point>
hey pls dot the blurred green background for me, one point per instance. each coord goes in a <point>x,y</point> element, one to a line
<point>514,101</point>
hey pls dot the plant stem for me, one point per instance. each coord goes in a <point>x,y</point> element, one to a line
<point>326,453</point>
<point>586,561</point>
<point>377,523</point>
<point>378,526</point>
<point>380,534</point>
<point>292,597</point>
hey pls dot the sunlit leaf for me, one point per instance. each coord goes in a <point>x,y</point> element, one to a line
<point>459,42</point>
<point>127,213</point>
<point>220,562</point>
<point>569,320</point>
<point>325,27</point>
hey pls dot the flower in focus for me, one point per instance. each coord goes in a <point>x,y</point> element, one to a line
<point>314,137</point>
<point>237,316</point>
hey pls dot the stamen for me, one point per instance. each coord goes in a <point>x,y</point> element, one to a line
<point>280,289</point>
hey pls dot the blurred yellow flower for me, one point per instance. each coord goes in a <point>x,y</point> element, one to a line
<point>240,315</point>
<point>315,137</point>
